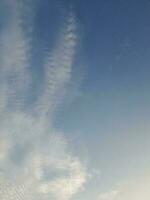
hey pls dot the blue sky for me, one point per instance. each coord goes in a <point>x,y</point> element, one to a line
<point>74,99</point>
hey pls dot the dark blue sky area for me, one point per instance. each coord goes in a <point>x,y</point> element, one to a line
<point>116,39</point>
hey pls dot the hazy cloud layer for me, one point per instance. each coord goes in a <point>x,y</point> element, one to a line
<point>35,161</point>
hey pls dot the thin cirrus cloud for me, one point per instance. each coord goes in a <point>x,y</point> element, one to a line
<point>35,161</point>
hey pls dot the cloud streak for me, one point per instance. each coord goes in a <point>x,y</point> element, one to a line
<point>14,59</point>
<point>58,67</point>
<point>35,160</point>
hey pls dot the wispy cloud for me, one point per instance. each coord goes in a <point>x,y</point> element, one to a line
<point>35,161</point>
<point>134,189</point>
<point>109,195</point>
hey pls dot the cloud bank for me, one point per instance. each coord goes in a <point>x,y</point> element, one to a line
<point>35,161</point>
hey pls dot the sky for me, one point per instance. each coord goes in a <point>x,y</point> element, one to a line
<point>74,100</point>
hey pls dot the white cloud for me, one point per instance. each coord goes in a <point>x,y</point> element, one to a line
<point>35,161</point>
<point>34,156</point>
